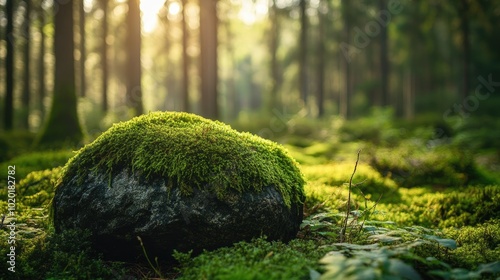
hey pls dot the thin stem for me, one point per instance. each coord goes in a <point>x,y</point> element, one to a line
<point>344,227</point>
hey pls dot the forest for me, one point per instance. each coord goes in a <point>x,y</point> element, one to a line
<point>383,115</point>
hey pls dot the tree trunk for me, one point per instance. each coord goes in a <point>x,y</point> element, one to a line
<point>62,126</point>
<point>321,64</point>
<point>9,67</point>
<point>25,99</point>
<point>464,25</point>
<point>346,94</point>
<point>384,61</point>
<point>409,96</point>
<point>185,60</point>
<point>83,54</point>
<point>232,106</point>
<point>273,49</point>
<point>104,55</point>
<point>303,52</point>
<point>41,63</point>
<point>134,90</point>
<point>208,58</point>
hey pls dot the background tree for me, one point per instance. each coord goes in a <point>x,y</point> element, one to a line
<point>9,66</point>
<point>185,60</point>
<point>82,49</point>
<point>26,93</point>
<point>345,96</point>
<point>104,54</point>
<point>41,61</point>
<point>383,99</point>
<point>321,59</point>
<point>303,64</point>
<point>133,68</point>
<point>274,42</point>
<point>63,126</point>
<point>208,58</point>
<point>463,12</point>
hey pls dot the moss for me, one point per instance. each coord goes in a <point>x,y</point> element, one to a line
<point>190,151</point>
<point>477,244</point>
<point>258,259</point>
<point>412,165</point>
<point>369,181</point>
<point>27,163</point>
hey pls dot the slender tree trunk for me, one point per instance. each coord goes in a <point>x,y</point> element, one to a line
<point>173,96</point>
<point>464,25</point>
<point>321,64</point>
<point>134,90</point>
<point>41,63</point>
<point>409,97</point>
<point>185,60</point>
<point>303,52</point>
<point>83,53</point>
<point>273,49</point>
<point>346,94</point>
<point>208,57</point>
<point>62,126</point>
<point>104,56</point>
<point>384,61</point>
<point>9,67</point>
<point>232,95</point>
<point>25,99</point>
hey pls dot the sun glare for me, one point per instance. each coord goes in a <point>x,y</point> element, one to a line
<point>150,9</point>
<point>252,11</point>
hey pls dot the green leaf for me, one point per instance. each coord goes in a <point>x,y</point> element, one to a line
<point>399,268</point>
<point>492,268</point>
<point>356,246</point>
<point>384,238</point>
<point>448,243</point>
<point>314,274</point>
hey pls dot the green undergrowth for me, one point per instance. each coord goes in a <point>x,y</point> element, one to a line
<point>450,208</point>
<point>14,143</point>
<point>417,211</point>
<point>34,161</point>
<point>413,165</point>
<point>190,151</point>
<point>258,259</point>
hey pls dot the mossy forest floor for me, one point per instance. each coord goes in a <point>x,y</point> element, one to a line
<point>424,205</point>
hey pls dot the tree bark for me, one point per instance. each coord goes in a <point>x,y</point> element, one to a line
<point>273,49</point>
<point>321,64</point>
<point>464,25</point>
<point>303,52</point>
<point>41,63</point>
<point>384,61</point>
<point>208,58</point>
<point>134,90</point>
<point>346,94</point>
<point>83,53</point>
<point>26,94</point>
<point>9,67</point>
<point>104,56</point>
<point>185,60</point>
<point>62,126</point>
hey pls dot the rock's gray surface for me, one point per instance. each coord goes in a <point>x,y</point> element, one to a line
<point>133,206</point>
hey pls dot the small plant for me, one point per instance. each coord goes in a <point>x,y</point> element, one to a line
<point>356,214</point>
<point>156,268</point>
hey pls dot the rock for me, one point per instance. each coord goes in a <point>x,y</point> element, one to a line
<point>178,181</point>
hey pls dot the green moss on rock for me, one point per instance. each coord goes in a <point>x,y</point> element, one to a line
<point>190,151</point>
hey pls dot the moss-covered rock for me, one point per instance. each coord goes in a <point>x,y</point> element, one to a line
<point>179,181</point>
